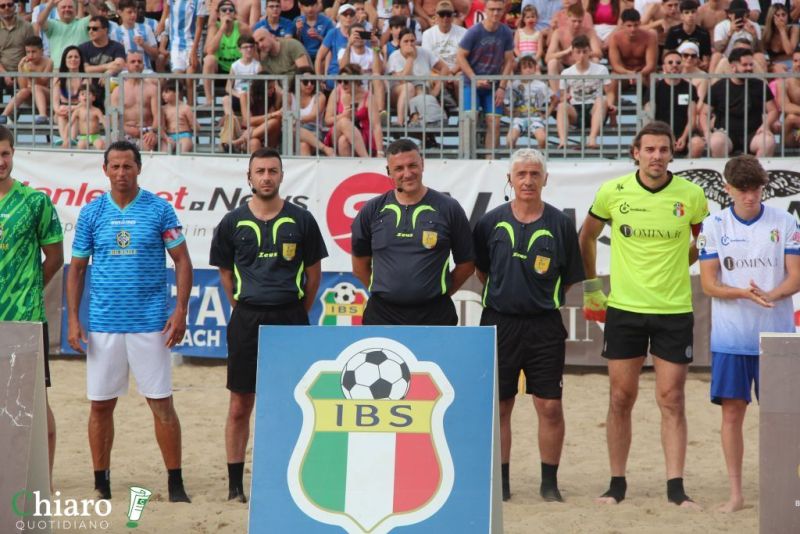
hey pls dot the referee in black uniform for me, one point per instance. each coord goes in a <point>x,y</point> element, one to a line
<point>268,252</point>
<point>401,247</point>
<point>527,256</point>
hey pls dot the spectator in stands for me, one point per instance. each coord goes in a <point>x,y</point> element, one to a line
<point>140,120</point>
<point>335,40</point>
<point>528,41</point>
<point>34,19</point>
<point>660,17</point>
<point>179,120</point>
<point>631,51</point>
<point>780,38</point>
<point>153,9</point>
<point>183,33</point>
<point>248,11</point>
<point>87,119</point>
<point>290,9</point>
<point>442,39</point>
<point>363,49</point>
<point>65,92</point>
<point>676,104</point>
<point>363,15</point>
<point>14,31</point>
<point>583,101</point>
<point>266,132</point>
<point>531,104</point>
<point>37,89</point>
<point>396,24</point>
<point>311,110</point>
<point>412,60</point>
<point>401,8</point>
<point>736,26</point>
<point>222,43</point>
<point>690,59</point>
<point>711,13</point>
<point>486,49</point>
<point>279,56</point>
<point>66,31</point>
<point>744,110</point>
<point>312,26</point>
<point>559,52</point>
<point>353,118</point>
<point>135,36</point>
<point>689,31</point>
<point>546,9</point>
<point>605,16</point>
<point>238,89</point>
<point>162,59</point>
<point>788,101</point>
<point>100,54</point>
<point>273,22</point>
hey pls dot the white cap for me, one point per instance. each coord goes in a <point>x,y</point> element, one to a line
<point>688,46</point>
<point>346,7</point>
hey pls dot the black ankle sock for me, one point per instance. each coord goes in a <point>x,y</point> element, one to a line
<point>175,484</point>
<point>102,483</point>
<point>617,489</point>
<point>236,475</point>
<point>675,492</point>
<point>174,477</point>
<point>549,475</point>
<point>506,482</point>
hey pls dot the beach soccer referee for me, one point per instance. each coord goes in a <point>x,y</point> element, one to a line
<point>402,242</point>
<point>268,252</point>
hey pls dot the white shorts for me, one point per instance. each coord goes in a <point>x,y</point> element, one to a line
<point>179,59</point>
<point>528,125</point>
<point>108,357</point>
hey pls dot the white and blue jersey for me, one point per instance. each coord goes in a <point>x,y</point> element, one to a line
<point>126,36</point>
<point>128,288</point>
<point>749,250</point>
<point>181,23</point>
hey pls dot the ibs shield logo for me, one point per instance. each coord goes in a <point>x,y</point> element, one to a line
<point>372,453</point>
<point>342,304</point>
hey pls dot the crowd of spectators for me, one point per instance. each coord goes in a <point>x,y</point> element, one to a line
<point>419,40</point>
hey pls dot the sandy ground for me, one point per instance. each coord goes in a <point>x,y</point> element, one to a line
<point>201,400</point>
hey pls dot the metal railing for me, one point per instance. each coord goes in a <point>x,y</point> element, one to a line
<point>445,126</point>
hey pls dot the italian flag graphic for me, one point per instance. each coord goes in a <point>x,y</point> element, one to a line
<point>335,313</point>
<point>371,459</point>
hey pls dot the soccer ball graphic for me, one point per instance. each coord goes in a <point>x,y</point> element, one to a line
<point>344,293</point>
<point>375,374</point>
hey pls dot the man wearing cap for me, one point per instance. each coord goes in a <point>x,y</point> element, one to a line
<point>689,31</point>
<point>335,40</point>
<point>311,27</point>
<point>280,56</point>
<point>735,26</point>
<point>676,103</point>
<point>442,38</point>
<point>402,241</point>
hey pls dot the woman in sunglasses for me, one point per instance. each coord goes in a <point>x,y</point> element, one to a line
<point>310,106</point>
<point>352,115</point>
<point>222,43</point>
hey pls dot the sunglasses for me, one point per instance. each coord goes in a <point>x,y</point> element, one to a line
<point>444,13</point>
<point>687,56</point>
<point>308,82</point>
<point>6,6</point>
<point>94,28</point>
<point>227,10</point>
<point>672,62</point>
<point>348,14</point>
<point>275,6</point>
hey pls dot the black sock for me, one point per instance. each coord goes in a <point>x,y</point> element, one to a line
<point>174,477</point>
<point>506,482</point>
<point>549,475</point>
<point>617,489</point>
<point>102,483</point>
<point>675,492</point>
<point>236,475</point>
<point>175,485</point>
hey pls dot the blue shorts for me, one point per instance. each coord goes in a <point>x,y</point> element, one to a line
<point>733,376</point>
<point>180,135</point>
<point>485,100</point>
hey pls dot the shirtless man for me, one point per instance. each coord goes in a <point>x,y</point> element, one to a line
<point>711,13</point>
<point>559,52</point>
<point>661,17</point>
<point>247,11</point>
<point>632,50</point>
<point>791,104</point>
<point>140,106</point>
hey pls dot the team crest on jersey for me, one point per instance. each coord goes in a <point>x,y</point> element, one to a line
<point>677,209</point>
<point>123,239</point>
<point>372,453</point>
<point>541,264</point>
<point>343,304</point>
<point>775,235</point>
<point>701,241</point>
<point>288,251</point>
<point>429,239</point>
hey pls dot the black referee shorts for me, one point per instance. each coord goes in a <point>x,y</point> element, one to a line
<point>242,339</point>
<point>627,335</point>
<point>437,312</point>
<point>534,344</point>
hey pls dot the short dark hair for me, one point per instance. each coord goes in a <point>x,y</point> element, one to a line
<point>6,135</point>
<point>737,54</point>
<point>527,61</point>
<point>745,173</point>
<point>173,85</point>
<point>307,2</point>
<point>265,152</point>
<point>397,21</point>
<point>689,5</point>
<point>630,15</point>
<point>125,4</point>
<point>101,19</point>
<point>654,128</point>
<point>581,41</point>
<point>401,145</point>
<point>670,52</point>
<point>404,32</point>
<point>33,40</point>
<point>245,39</point>
<point>576,10</point>
<point>123,146</point>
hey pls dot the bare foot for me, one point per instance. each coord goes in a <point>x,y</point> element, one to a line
<point>561,146</point>
<point>592,146</point>
<point>605,500</point>
<point>690,505</point>
<point>733,505</point>
<point>327,150</point>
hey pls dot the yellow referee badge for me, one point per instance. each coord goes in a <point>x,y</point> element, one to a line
<point>289,250</point>
<point>429,239</point>
<point>541,264</point>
